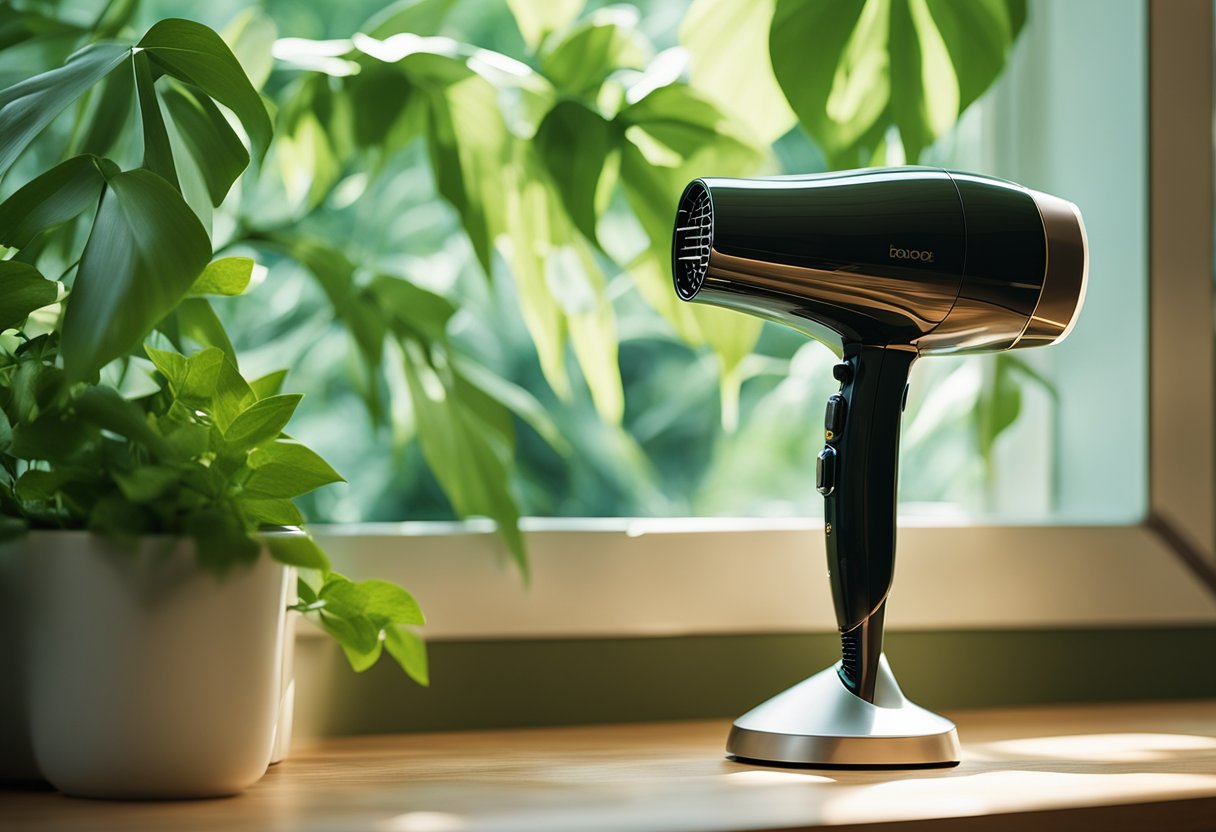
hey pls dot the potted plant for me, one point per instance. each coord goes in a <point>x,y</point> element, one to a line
<point>145,485</point>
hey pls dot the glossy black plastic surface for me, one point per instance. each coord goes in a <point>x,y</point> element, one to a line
<point>859,513</point>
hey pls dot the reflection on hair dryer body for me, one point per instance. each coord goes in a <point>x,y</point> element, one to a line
<point>884,266</point>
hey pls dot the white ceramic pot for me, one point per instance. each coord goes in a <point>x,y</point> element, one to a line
<point>147,678</point>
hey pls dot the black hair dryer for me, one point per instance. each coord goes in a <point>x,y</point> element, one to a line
<point>883,265</point>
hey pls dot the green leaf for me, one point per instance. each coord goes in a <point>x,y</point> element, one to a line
<point>217,150</point>
<point>297,550</point>
<point>148,483</point>
<point>158,155</point>
<point>739,78</point>
<point>412,308</point>
<point>146,249</point>
<point>22,290</point>
<point>261,422</point>
<point>587,54</point>
<point>251,36</point>
<point>471,471</point>
<point>574,143</point>
<point>519,400</point>
<point>51,199</point>
<point>409,651</point>
<point>194,54</point>
<point>914,64</point>
<point>537,20</point>
<point>107,409</point>
<point>226,276</point>
<point>470,149</point>
<point>195,320</point>
<point>232,395</point>
<point>269,384</point>
<point>383,602</point>
<point>112,115</point>
<point>272,512</point>
<point>358,637</point>
<point>26,108</point>
<point>287,469</point>
<point>418,17</point>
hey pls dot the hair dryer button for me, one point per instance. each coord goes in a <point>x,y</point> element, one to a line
<point>842,372</point>
<point>833,419</point>
<point>825,471</point>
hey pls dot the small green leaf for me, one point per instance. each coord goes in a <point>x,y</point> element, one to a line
<point>216,148</point>
<point>26,108</point>
<point>409,651</point>
<point>202,375</point>
<point>171,365</point>
<point>261,422</point>
<point>269,384</point>
<point>36,485</point>
<point>287,469</point>
<point>22,290</point>
<point>232,396</point>
<point>146,249</point>
<point>272,512</point>
<point>297,550</point>
<point>158,155</point>
<point>194,54</point>
<point>60,194</point>
<point>226,276</point>
<point>388,603</point>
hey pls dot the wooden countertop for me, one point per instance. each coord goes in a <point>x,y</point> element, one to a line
<point>1108,767</point>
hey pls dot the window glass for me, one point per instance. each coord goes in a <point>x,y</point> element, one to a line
<point>1046,435</point>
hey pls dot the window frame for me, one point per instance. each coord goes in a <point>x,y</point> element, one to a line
<point>642,577</point>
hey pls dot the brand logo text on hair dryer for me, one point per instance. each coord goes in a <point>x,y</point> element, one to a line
<point>910,254</point>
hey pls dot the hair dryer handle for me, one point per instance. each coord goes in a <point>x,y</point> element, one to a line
<point>857,473</point>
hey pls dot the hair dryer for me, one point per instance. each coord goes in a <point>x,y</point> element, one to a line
<point>883,265</point>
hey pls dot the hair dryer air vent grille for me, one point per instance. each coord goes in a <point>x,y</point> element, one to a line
<point>694,233</point>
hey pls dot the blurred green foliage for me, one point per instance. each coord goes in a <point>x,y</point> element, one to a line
<point>465,218</point>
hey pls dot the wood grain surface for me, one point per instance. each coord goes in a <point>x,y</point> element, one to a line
<point>1109,767</point>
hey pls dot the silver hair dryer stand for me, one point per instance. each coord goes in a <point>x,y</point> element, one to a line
<point>819,722</point>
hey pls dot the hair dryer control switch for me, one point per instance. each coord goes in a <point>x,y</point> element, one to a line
<point>833,419</point>
<point>825,471</point>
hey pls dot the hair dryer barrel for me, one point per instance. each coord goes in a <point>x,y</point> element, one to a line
<point>921,257</point>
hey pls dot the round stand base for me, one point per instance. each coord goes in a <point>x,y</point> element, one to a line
<point>818,722</point>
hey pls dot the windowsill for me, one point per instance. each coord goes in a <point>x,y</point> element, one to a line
<point>604,578</point>
<point>1110,766</point>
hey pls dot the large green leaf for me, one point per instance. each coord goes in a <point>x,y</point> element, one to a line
<point>460,451</point>
<point>261,422</point>
<point>912,64</point>
<point>22,290</point>
<point>251,36</point>
<point>26,108</point>
<point>51,199</point>
<point>417,17</point>
<point>470,150</point>
<point>588,53</point>
<point>727,42</point>
<point>217,150</point>
<point>574,142</point>
<point>158,154</point>
<point>194,54</point>
<point>537,19</point>
<point>146,249</point>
